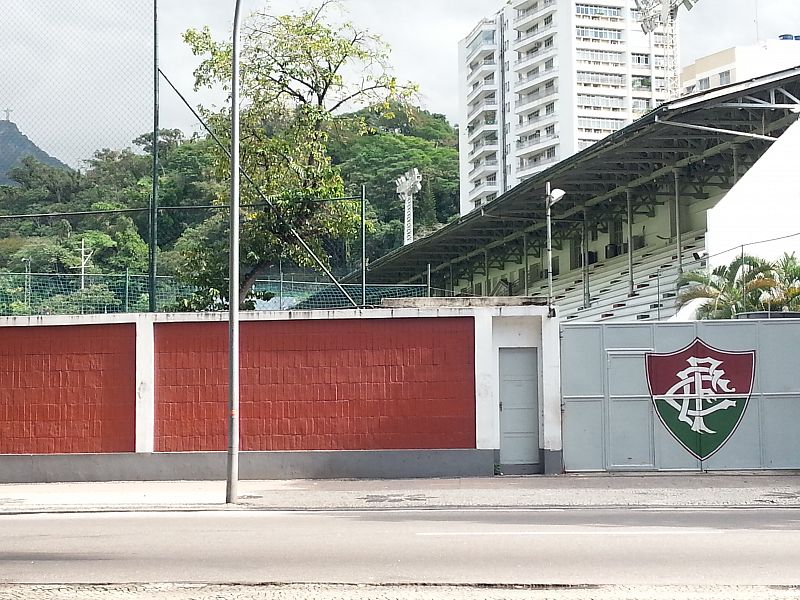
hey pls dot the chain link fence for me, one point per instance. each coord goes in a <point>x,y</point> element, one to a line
<point>73,294</point>
<point>76,77</point>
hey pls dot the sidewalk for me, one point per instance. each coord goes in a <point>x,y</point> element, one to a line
<point>746,490</point>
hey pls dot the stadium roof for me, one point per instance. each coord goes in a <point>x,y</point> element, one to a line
<point>691,136</point>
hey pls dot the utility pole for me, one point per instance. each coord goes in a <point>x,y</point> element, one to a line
<point>153,249</point>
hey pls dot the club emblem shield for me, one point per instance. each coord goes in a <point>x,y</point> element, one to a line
<point>700,394</point>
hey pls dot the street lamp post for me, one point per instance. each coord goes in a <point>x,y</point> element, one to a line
<point>551,197</point>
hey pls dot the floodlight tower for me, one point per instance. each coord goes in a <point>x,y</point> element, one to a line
<point>662,16</point>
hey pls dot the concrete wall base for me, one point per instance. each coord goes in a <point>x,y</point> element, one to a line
<point>199,466</point>
<point>553,462</point>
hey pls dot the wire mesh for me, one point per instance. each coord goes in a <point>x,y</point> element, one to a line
<point>69,294</point>
<point>76,76</point>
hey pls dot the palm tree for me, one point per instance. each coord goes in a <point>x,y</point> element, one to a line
<point>786,293</point>
<point>729,289</point>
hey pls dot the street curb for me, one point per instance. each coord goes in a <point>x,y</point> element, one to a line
<point>195,508</point>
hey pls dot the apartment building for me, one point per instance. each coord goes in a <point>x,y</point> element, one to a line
<point>741,63</point>
<point>543,79</point>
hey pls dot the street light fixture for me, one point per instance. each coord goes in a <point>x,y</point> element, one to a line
<point>551,198</point>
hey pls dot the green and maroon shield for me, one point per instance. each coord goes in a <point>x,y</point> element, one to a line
<point>700,394</point>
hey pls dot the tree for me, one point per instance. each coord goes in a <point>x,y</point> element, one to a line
<point>786,293</point>
<point>295,90</point>
<point>741,286</point>
<point>376,160</point>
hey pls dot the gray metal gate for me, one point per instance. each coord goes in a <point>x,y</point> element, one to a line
<point>700,418</point>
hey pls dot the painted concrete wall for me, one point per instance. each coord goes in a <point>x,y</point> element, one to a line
<point>67,389</point>
<point>318,385</point>
<point>422,379</point>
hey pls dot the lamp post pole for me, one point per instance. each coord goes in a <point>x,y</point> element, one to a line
<point>551,197</point>
<point>549,205</point>
<point>233,279</point>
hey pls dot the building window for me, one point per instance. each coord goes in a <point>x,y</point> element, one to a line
<point>548,42</point>
<point>640,60</point>
<point>641,82</point>
<point>600,57</point>
<point>704,84</point>
<point>601,102</point>
<point>607,79</point>
<point>725,78</point>
<point>600,125</point>
<point>589,10</point>
<point>550,108</point>
<point>598,33</point>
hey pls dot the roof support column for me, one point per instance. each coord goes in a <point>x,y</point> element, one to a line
<point>487,291</point>
<point>678,234</point>
<point>525,254</point>
<point>735,165</point>
<point>629,199</point>
<point>585,260</point>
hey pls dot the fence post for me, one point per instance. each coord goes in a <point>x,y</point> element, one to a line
<point>127,288</point>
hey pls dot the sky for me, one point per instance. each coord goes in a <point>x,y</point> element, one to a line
<point>77,73</point>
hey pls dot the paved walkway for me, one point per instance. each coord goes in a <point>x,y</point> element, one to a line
<point>607,491</point>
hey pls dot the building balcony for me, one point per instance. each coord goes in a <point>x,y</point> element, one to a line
<point>534,145</point>
<point>484,104</point>
<point>480,127</point>
<point>483,189</point>
<point>530,40</point>
<point>531,58</point>
<point>530,125</point>
<point>483,148</point>
<point>530,166</point>
<point>482,70</point>
<point>526,103</point>
<point>484,167</point>
<point>528,15</point>
<point>481,50</point>
<point>531,81</point>
<point>485,88</point>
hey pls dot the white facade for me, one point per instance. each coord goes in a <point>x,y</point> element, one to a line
<point>740,64</point>
<point>544,79</point>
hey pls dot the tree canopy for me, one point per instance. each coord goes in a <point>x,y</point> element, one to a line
<point>747,284</point>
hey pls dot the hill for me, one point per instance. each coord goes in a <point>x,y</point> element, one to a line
<point>14,146</point>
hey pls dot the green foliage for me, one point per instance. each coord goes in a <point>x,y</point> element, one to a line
<point>747,284</point>
<point>377,160</point>
<point>295,88</point>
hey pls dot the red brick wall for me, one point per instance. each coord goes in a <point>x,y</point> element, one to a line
<point>319,385</point>
<point>67,389</point>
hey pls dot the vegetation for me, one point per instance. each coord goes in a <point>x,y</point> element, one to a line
<point>745,285</point>
<point>302,141</point>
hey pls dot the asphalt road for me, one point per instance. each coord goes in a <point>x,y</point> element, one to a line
<point>645,547</point>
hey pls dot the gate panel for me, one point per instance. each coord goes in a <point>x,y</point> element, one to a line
<point>703,373</point>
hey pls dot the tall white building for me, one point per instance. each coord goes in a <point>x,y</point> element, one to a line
<point>543,79</point>
<point>741,63</point>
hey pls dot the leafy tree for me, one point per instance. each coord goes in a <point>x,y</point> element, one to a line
<point>741,286</point>
<point>377,160</point>
<point>295,89</point>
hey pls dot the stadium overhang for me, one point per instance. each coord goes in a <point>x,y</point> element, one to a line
<point>706,138</point>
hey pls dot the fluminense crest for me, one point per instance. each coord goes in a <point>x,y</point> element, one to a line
<point>700,394</point>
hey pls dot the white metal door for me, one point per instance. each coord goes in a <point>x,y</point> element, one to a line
<point>519,410</point>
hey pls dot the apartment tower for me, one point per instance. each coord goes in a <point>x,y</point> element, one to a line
<point>544,79</point>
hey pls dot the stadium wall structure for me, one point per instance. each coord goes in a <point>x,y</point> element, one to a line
<point>409,392</point>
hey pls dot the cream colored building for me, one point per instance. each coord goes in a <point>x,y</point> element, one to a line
<point>740,64</point>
